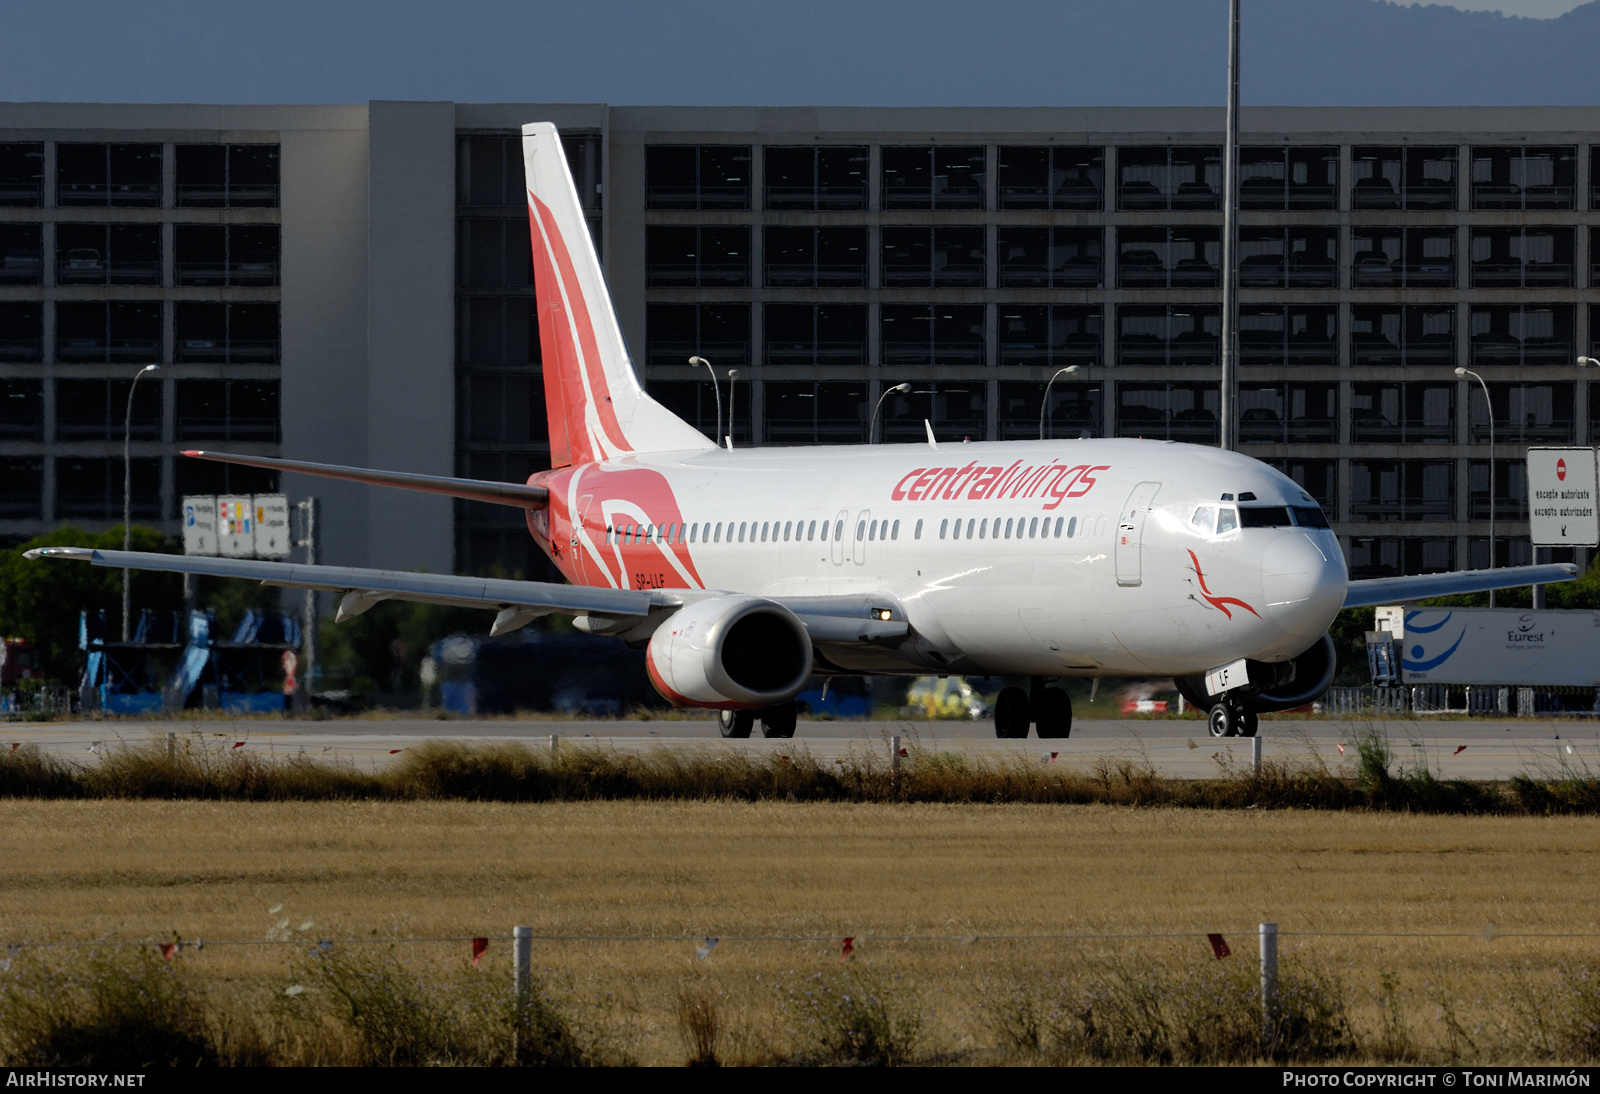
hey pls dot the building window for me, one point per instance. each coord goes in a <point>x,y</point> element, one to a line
<point>1288,178</point>
<point>1391,556</point>
<point>226,333</point>
<point>21,410</point>
<point>826,412</point>
<point>815,335</point>
<point>228,410</point>
<point>1403,178</point>
<point>705,257</point>
<point>1275,258</point>
<point>88,488</point>
<point>1319,478</point>
<point>21,254</point>
<point>1051,335</point>
<point>21,331</point>
<point>924,335</point>
<point>1051,177</point>
<point>21,488</point>
<point>1522,334</point>
<point>696,403</point>
<point>1289,413</point>
<point>720,333</point>
<point>1160,258</point>
<point>1508,552</point>
<point>1172,334</point>
<point>1411,258</point>
<point>1510,490</point>
<point>1523,414</point>
<point>1074,411</point>
<point>1290,335</point>
<point>22,174</point>
<point>489,175</point>
<point>108,254</point>
<point>493,252</point>
<point>1386,491</point>
<point>203,477</point>
<point>108,174</point>
<point>504,408</point>
<point>688,176</point>
<point>1420,335</point>
<point>232,254</point>
<point>955,409</point>
<point>1051,258</point>
<point>933,178</point>
<point>237,176</point>
<point>823,179</point>
<point>1402,413</point>
<point>940,258</point>
<point>94,410</point>
<point>1522,258</point>
<point>123,331</point>
<point>498,330</point>
<point>1524,178</point>
<point>1169,178</point>
<point>1168,412</point>
<point>1594,413</point>
<point>815,258</point>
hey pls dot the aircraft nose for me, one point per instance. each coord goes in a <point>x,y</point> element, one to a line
<point>1304,584</point>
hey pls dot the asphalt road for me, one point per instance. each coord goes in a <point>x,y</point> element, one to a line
<point>1179,748</point>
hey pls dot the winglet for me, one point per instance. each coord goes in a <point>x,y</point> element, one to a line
<point>933,444</point>
<point>82,554</point>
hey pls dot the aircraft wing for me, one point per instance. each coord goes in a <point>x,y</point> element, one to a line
<point>1400,590</point>
<point>514,494</point>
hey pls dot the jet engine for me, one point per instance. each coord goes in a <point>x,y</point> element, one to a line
<point>730,653</point>
<point>1284,685</point>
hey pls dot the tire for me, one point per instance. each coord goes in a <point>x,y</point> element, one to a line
<point>1249,722</point>
<point>735,723</point>
<point>1053,719</point>
<point>778,721</point>
<point>1011,714</point>
<point>1222,721</point>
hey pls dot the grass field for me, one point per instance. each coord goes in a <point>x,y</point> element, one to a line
<point>143,871</point>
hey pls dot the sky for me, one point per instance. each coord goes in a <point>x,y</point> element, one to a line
<point>779,52</point>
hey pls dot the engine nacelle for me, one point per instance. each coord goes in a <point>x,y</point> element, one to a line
<point>1299,681</point>
<point>730,653</point>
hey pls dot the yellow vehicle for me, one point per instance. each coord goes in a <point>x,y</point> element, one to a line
<point>936,697</point>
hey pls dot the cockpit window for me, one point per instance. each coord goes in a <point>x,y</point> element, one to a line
<point>1203,518</point>
<point>1309,516</point>
<point>1226,521</point>
<point>1264,516</point>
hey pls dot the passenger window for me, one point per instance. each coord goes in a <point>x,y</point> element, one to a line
<point>861,530</point>
<point>764,532</point>
<point>1227,521</point>
<point>1203,519</point>
<point>983,528</point>
<point>917,534</point>
<point>1072,526</point>
<point>811,532</point>
<point>894,533</point>
<point>1033,528</point>
<point>872,531</point>
<point>742,526</point>
<point>955,533</point>
<point>1058,527</point>
<point>824,531</point>
<point>969,529</point>
<point>693,528</point>
<point>838,530</point>
<point>1008,527</point>
<point>944,526</point>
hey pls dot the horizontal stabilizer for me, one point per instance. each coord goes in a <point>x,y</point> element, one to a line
<point>514,494</point>
<point>1400,590</point>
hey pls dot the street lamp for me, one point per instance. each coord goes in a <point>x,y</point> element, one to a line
<point>127,495</point>
<point>872,427</point>
<point>1489,405</point>
<point>697,362</point>
<point>1068,371</point>
<point>733,374</point>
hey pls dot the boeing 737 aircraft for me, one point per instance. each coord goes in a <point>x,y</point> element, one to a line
<point>744,572</point>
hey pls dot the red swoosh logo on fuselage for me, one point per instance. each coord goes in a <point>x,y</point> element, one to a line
<point>1219,602</point>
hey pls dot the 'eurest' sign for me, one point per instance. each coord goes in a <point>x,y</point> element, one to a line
<point>1562,510</point>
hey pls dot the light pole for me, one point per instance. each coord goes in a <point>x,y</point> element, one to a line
<point>1068,371</point>
<point>697,362</point>
<point>1489,406</point>
<point>872,427</point>
<point>1230,243</point>
<point>733,374</point>
<point>127,495</point>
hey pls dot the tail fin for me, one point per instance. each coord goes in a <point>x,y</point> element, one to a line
<point>596,407</point>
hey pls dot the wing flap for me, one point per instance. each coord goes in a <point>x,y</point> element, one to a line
<point>515,494</point>
<point>1399,590</point>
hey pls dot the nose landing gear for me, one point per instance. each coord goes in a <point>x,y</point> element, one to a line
<point>1229,718</point>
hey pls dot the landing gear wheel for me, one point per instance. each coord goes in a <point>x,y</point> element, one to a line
<point>1223,721</point>
<point>735,723</point>
<point>1054,716</point>
<point>1012,715</point>
<point>1248,723</point>
<point>778,721</point>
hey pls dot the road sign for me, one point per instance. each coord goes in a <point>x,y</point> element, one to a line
<point>200,525</point>
<point>236,526</point>
<point>272,526</point>
<point>1562,508</point>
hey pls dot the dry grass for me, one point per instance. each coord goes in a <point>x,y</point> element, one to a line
<point>126,871</point>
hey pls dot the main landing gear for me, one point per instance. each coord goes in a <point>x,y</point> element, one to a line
<point>1048,708</point>
<point>778,721</point>
<point>1229,718</point>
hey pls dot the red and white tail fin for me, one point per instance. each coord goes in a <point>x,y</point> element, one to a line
<point>596,407</point>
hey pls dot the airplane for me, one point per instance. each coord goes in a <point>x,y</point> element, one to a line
<point>743,573</point>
